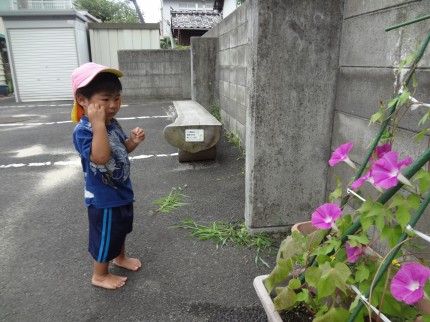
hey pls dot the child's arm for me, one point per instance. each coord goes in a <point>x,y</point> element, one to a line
<point>136,136</point>
<point>100,147</point>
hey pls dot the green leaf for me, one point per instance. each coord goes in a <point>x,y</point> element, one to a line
<point>303,296</point>
<point>424,118</point>
<point>335,314</point>
<point>404,97</point>
<point>424,180</point>
<point>359,317</point>
<point>337,192</point>
<point>392,234</point>
<point>406,61</point>
<point>420,135</point>
<point>332,278</point>
<point>291,246</point>
<point>426,318</point>
<point>377,116</point>
<point>366,206</point>
<point>403,215</point>
<point>294,283</point>
<point>323,250</point>
<point>362,273</point>
<point>366,222</point>
<point>281,271</point>
<point>393,102</point>
<point>414,81</point>
<point>358,240</point>
<point>312,276</point>
<point>285,299</point>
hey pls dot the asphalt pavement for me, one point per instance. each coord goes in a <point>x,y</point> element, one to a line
<point>45,269</point>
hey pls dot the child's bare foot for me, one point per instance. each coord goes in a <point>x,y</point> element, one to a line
<point>132,264</point>
<point>108,281</point>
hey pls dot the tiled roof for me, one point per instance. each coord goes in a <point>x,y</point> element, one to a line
<point>193,19</point>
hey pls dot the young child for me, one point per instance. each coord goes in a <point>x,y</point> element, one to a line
<point>103,148</point>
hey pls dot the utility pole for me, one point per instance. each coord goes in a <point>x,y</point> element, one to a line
<point>139,13</point>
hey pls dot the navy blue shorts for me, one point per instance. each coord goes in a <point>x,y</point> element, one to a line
<point>108,228</point>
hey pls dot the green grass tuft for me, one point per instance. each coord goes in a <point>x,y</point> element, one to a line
<point>172,201</point>
<point>235,233</point>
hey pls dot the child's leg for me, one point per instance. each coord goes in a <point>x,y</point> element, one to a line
<point>102,277</point>
<point>123,261</point>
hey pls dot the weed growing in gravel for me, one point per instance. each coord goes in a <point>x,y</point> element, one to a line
<point>235,233</point>
<point>235,139</point>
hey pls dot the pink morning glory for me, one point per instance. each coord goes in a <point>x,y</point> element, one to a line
<point>381,150</point>
<point>367,177</point>
<point>386,171</point>
<point>325,215</point>
<point>354,253</point>
<point>408,283</point>
<point>341,155</point>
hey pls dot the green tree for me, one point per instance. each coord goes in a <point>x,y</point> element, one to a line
<point>109,10</point>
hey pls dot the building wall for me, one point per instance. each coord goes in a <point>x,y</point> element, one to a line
<point>106,39</point>
<point>180,5</point>
<point>151,75</point>
<point>368,60</point>
<point>43,52</point>
<point>229,7</point>
<point>81,34</point>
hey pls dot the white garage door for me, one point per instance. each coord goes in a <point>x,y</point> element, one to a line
<point>43,60</point>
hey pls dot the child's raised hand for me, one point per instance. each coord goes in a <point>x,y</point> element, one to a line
<point>137,135</point>
<point>96,113</point>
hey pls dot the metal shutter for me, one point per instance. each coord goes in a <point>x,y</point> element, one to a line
<point>43,61</point>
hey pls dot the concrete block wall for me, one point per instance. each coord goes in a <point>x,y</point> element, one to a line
<point>151,75</point>
<point>367,75</point>
<point>232,34</point>
<point>204,71</point>
<point>294,52</point>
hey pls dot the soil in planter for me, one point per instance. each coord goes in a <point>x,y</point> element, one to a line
<point>300,313</point>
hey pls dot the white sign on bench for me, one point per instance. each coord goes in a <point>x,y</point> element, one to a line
<point>194,135</point>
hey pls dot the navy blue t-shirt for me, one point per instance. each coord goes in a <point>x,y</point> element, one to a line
<point>109,185</point>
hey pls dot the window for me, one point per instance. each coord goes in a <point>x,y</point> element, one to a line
<point>194,6</point>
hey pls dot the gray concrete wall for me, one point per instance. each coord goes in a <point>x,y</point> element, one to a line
<point>293,58</point>
<point>155,74</point>
<point>232,34</point>
<point>368,59</point>
<point>204,71</point>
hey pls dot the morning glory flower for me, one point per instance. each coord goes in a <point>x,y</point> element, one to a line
<point>367,177</point>
<point>386,171</point>
<point>354,253</point>
<point>325,215</point>
<point>408,283</point>
<point>341,155</point>
<point>381,150</point>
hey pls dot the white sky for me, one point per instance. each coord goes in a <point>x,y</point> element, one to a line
<point>150,9</point>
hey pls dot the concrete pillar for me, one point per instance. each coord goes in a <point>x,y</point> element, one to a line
<point>293,56</point>
<point>204,70</point>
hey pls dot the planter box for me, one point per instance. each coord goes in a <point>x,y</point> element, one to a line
<point>266,300</point>
<point>306,228</point>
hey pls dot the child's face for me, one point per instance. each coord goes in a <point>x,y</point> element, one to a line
<point>109,101</point>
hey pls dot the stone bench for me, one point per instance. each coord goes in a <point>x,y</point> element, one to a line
<point>195,132</point>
